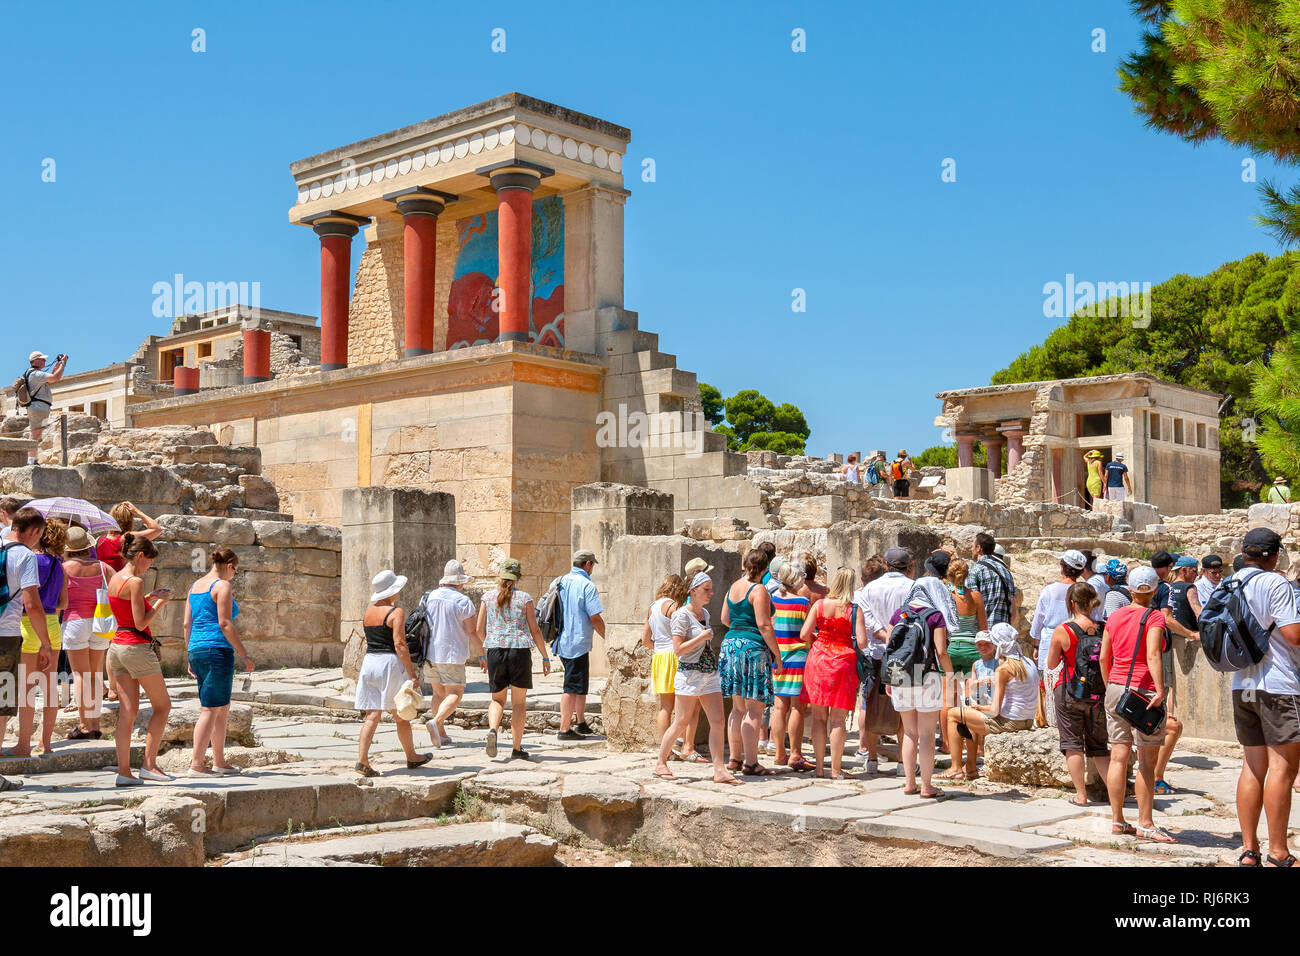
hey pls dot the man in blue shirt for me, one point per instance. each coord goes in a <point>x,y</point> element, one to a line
<point>581,609</point>
<point>1118,484</point>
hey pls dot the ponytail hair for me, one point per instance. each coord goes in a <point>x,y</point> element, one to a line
<point>505,593</point>
<point>134,546</point>
<point>223,557</point>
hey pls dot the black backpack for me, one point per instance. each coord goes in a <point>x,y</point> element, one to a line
<point>909,655</point>
<point>417,632</point>
<point>550,613</point>
<point>1087,684</point>
<point>1231,637</point>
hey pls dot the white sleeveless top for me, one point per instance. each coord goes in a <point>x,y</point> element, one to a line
<point>1020,697</point>
<point>661,626</point>
<point>851,476</point>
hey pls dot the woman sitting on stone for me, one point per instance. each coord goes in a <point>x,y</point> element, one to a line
<point>211,644</point>
<point>1015,696</point>
<point>386,666</point>
<point>697,683</point>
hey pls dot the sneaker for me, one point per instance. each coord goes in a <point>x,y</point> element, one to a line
<point>568,735</point>
<point>769,748</point>
<point>872,767</point>
<point>491,744</point>
<point>583,729</point>
<point>862,754</point>
<point>434,736</point>
<point>519,755</point>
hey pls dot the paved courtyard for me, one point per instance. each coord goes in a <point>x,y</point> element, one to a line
<point>307,742</point>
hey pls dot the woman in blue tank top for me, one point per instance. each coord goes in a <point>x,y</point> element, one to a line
<point>212,641</point>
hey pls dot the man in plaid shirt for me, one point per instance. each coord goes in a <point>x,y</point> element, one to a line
<point>992,579</point>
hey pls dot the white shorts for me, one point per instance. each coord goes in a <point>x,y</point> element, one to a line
<point>79,634</point>
<point>696,683</point>
<point>1116,494</point>
<point>927,698</point>
<point>381,677</point>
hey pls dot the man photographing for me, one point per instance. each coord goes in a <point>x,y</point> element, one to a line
<point>41,399</point>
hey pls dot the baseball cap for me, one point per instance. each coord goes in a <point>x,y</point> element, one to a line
<point>1185,561</point>
<point>1074,559</point>
<point>1161,559</point>
<point>1143,579</point>
<point>510,570</point>
<point>938,561</point>
<point>583,556</point>
<point>36,355</point>
<point>1261,542</point>
<point>1211,561</point>
<point>898,557</point>
<point>1117,569</point>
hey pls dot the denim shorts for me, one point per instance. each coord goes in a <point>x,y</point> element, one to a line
<point>214,668</point>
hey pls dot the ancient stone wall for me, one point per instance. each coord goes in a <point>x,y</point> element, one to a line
<point>376,315</point>
<point>287,587</point>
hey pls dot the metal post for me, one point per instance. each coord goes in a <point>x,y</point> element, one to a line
<point>63,436</point>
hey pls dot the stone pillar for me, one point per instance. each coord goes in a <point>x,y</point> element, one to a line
<point>1015,435</point>
<point>185,381</point>
<point>336,230</point>
<point>993,448</point>
<point>420,208</point>
<point>514,182</point>
<point>593,261</point>
<point>410,531</point>
<point>257,356</point>
<point>966,449</point>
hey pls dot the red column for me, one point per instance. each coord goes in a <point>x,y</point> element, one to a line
<point>420,208</point>
<point>257,356</point>
<point>993,447</point>
<point>1015,434</point>
<point>185,381</point>
<point>336,231</point>
<point>965,449</point>
<point>514,182</point>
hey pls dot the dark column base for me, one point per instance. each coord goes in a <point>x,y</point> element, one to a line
<point>332,366</point>
<point>254,379</point>
<point>412,353</point>
<point>182,392</point>
<point>512,337</point>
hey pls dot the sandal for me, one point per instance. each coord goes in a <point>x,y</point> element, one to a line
<point>1163,789</point>
<point>735,766</point>
<point>756,770</point>
<point>953,775</point>
<point>665,775</point>
<point>1289,861</point>
<point>1123,829</point>
<point>366,770</point>
<point>76,733</point>
<point>911,793</point>
<point>1249,855</point>
<point>730,781</point>
<point>6,785</point>
<point>1155,834</point>
<point>423,759</point>
<point>933,796</point>
<point>801,765</point>
<point>695,757</point>
<point>1078,804</point>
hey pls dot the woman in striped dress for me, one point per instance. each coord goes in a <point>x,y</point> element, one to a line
<point>789,706</point>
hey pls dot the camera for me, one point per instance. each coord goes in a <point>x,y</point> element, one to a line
<point>61,357</point>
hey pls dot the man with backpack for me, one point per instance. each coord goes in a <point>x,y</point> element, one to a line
<point>451,615</point>
<point>1265,695</point>
<point>898,471</point>
<point>1182,609</point>
<point>992,579</point>
<point>581,610</point>
<point>33,391</point>
<point>19,594</point>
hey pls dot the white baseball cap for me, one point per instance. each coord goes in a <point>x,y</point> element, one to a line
<point>36,355</point>
<point>1074,559</point>
<point>1143,579</point>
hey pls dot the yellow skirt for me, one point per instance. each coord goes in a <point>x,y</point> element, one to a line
<point>663,670</point>
<point>32,643</point>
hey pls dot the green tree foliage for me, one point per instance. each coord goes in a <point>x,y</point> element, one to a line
<point>712,401</point>
<point>1225,69</point>
<point>1205,331</point>
<point>945,456</point>
<point>1276,392</point>
<point>754,422</point>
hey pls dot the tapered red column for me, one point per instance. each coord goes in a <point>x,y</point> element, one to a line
<point>514,182</point>
<point>993,448</point>
<point>420,208</point>
<point>185,381</point>
<point>257,356</point>
<point>966,449</point>
<point>1015,435</point>
<point>336,231</point>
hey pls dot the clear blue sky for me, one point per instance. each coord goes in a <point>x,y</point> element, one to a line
<point>775,170</point>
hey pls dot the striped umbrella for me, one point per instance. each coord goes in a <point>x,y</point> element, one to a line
<point>78,510</point>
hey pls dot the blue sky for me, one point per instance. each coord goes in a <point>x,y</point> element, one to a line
<point>775,171</point>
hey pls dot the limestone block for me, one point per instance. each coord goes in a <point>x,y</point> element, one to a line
<point>226,532</point>
<point>45,839</point>
<point>820,511</point>
<point>1274,517</point>
<point>313,561</point>
<point>283,534</point>
<point>259,493</point>
<point>109,483</point>
<point>1031,758</point>
<point>969,483</point>
<point>41,481</point>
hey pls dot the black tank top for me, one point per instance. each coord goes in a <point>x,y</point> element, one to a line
<point>379,637</point>
<point>1179,605</point>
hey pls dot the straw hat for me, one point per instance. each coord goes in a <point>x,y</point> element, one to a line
<point>79,539</point>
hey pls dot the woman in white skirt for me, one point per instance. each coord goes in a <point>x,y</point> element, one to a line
<point>696,683</point>
<point>385,668</point>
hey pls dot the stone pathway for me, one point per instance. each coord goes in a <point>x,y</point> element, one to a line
<point>572,790</point>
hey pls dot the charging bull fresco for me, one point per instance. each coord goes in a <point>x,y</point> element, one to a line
<point>471,318</point>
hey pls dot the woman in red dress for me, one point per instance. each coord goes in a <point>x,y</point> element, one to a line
<point>830,680</point>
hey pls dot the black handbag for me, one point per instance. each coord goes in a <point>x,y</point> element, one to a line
<point>1132,706</point>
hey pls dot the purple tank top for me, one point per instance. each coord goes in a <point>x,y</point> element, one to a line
<point>49,570</point>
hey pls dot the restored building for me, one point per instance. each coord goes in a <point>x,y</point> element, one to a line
<point>1168,434</point>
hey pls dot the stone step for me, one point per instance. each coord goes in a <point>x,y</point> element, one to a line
<point>424,844</point>
<point>631,340</point>
<point>652,359</point>
<point>70,756</point>
<point>256,514</point>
